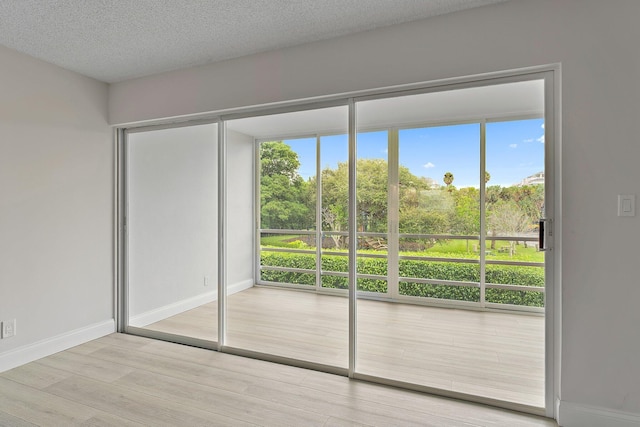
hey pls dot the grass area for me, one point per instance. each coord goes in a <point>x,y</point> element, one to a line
<point>444,249</point>
<point>459,249</point>
<point>278,241</point>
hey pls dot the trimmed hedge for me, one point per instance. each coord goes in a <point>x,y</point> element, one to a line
<point>438,270</point>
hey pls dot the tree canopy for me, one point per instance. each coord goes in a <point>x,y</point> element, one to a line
<point>284,195</point>
<point>289,202</point>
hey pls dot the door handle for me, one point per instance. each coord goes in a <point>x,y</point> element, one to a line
<point>542,232</point>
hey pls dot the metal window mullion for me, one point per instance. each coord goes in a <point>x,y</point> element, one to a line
<point>353,239</point>
<point>291,251</point>
<point>287,231</point>
<point>335,273</point>
<point>222,234</point>
<point>509,287</point>
<point>318,215</point>
<point>122,183</point>
<point>440,259</point>
<point>286,269</point>
<point>438,282</point>
<point>393,201</point>
<point>366,255</point>
<point>438,236</point>
<point>372,234</point>
<point>257,238</point>
<point>335,253</point>
<point>483,216</point>
<point>255,214</point>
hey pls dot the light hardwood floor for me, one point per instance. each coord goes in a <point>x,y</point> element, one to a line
<point>495,355</point>
<point>123,380</point>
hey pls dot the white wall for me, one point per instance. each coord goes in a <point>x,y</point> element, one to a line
<point>56,176</point>
<point>596,42</point>
<point>240,205</point>
<point>172,220</point>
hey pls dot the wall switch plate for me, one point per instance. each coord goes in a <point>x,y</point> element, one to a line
<point>626,205</point>
<point>8,328</point>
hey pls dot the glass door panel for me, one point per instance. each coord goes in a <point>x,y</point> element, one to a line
<point>514,272</point>
<point>514,203</point>
<point>462,207</point>
<point>172,231</point>
<point>299,219</point>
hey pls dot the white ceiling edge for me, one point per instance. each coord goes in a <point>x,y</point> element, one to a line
<point>113,41</point>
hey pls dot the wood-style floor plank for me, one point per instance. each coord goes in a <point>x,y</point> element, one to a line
<point>155,383</point>
<point>136,405</point>
<point>495,355</point>
<point>234,405</point>
<point>109,420</point>
<point>36,375</point>
<point>10,420</point>
<point>39,407</point>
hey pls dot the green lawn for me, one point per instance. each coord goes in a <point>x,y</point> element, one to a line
<point>444,249</point>
<point>278,241</point>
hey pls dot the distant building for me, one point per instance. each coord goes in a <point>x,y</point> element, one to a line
<point>536,178</point>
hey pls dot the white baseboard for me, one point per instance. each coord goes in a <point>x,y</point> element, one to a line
<point>161,313</point>
<point>240,286</point>
<point>148,317</point>
<point>578,415</point>
<point>28,353</point>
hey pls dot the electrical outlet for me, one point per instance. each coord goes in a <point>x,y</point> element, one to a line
<point>8,328</point>
<point>206,280</point>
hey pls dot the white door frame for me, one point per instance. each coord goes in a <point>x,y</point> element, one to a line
<point>551,74</point>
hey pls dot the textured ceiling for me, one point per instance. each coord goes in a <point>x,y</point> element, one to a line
<point>114,40</point>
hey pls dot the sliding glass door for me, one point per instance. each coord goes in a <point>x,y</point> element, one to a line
<point>300,202</point>
<point>448,216</point>
<point>171,225</point>
<point>405,251</point>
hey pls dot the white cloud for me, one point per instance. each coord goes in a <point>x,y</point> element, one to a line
<point>513,145</point>
<point>385,151</point>
<point>541,139</point>
<point>429,165</point>
<point>528,140</point>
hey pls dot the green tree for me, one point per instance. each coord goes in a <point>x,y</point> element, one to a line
<point>529,199</point>
<point>420,221</point>
<point>284,195</point>
<point>466,213</point>
<point>371,194</point>
<point>423,209</point>
<point>335,202</point>
<point>277,158</point>
<point>508,218</point>
<point>448,178</point>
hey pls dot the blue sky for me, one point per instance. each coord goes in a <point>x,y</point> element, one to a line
<point>514,150</point>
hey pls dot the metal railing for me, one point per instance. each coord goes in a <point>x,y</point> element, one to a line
<point>392,291</point>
